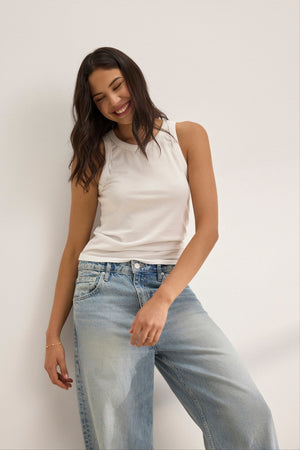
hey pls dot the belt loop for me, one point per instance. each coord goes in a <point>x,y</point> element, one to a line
<point>158,272</point>
<point>107,271</point>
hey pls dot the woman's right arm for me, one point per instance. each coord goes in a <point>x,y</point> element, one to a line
<point>82,216</point>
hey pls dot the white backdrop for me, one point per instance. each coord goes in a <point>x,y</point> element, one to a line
<point>231,66</point>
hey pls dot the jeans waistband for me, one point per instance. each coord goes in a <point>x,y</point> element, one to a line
<point>126,267</point>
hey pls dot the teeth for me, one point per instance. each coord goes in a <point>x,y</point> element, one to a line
<point>123,109</point>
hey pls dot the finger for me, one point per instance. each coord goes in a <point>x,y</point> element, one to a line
<point>135,334</point>
<point>61,382</point>
<point>63,368</point>
<point>56,378</point>
<point>149,342</point>
<point>67,383</point>
<point>64,379</point>
<point>149,338</point>
<point>155,338</point>
<point>157,335</point>
<point>142,339</point>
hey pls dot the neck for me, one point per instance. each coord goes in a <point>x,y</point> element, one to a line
<point>124,131</point>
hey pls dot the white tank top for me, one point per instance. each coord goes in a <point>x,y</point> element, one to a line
<point>144,204</point>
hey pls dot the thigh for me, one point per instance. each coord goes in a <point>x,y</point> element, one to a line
<point>114,379</point>
<point>192,337</point>
<point>207,375</point>
<point>102,320</point>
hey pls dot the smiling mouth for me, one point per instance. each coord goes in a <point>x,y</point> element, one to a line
<point>124,109</point>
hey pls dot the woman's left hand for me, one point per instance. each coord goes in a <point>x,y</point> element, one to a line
<point>149,321</point>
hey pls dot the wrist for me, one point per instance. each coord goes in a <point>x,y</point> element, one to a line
<point>52,339</point>
<point>163,297</point>
<point>53,344</point>
<point>52,336</point>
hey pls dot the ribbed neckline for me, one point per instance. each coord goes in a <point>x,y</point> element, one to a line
<point>129,146</point>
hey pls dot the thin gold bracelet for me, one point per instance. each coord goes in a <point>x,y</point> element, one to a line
<point>59,343</point>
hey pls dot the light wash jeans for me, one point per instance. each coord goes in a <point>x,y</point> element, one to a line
<point>114,379</point>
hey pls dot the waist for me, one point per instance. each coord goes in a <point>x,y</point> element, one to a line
<point>126,267</point>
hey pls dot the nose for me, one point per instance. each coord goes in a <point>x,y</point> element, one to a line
<point>115,100</point>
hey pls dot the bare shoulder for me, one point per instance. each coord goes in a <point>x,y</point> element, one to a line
<point>190,135</point>
<point>186,127</point>
<point>200,175</point>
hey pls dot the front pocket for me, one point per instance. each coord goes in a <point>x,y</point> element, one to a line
<point>87,284</point>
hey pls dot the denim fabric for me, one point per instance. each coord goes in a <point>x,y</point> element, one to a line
<point>114,379</point>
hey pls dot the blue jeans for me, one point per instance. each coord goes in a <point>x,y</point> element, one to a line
<point>114,379</point>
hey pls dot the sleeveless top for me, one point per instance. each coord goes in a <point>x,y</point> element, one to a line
<point>144,204</point>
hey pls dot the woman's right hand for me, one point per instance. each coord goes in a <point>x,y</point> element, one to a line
<point>55,356</point>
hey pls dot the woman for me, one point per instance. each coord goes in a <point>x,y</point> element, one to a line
<point>128,284</point>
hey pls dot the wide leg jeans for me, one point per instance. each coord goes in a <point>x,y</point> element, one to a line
<point>114,379</point>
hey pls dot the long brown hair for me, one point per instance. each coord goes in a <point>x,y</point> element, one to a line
<point>90,125</point>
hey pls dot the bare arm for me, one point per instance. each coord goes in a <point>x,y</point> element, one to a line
<point>63,296</point>
<point>205,204</point>
<point>82,216</point>
<point>151,318</point>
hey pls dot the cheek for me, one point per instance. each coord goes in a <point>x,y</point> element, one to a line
<point>124,92</point>
<point>102,108</point>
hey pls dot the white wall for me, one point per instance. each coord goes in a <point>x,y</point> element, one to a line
<point>229,65</point>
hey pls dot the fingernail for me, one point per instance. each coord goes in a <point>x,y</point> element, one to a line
<point>66,375</point>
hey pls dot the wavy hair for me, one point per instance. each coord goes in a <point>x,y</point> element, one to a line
<point>90,125</point>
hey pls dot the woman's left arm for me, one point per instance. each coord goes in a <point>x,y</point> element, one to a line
<point>150,319</point>
<point>202,183</point>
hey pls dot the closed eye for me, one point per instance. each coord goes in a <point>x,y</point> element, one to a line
<point>99,100</point>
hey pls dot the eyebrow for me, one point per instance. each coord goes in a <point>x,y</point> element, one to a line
<point>108,86</point>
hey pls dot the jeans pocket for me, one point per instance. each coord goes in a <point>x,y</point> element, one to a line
<point>87,282</point>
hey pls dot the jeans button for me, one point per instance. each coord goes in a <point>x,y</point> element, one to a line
<point>137,266</point>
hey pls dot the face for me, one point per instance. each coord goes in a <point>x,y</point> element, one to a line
<point>110,94</point>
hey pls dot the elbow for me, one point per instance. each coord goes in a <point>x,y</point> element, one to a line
<point>211,234</point>
<point>215,235</point>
